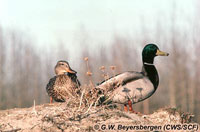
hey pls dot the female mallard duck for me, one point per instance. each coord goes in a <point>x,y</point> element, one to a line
<point>132,87</point>
<point>64,85</point>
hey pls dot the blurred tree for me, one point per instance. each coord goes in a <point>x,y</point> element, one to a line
<point>2,68</point>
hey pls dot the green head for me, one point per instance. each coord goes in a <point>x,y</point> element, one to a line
<point>150,51</point>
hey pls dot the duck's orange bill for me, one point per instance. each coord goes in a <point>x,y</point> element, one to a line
<point>70,70</point>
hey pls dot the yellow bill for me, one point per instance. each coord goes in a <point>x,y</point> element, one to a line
<point>161,53</point>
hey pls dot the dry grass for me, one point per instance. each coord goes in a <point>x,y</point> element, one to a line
<point>70,116</point>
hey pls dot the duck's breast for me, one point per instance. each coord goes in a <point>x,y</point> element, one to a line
<point>135,91</point>
<point>64,85</point>
<point>61,87</point>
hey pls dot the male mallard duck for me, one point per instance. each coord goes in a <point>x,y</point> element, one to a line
<point>64,85</point>
<point>132,87</point>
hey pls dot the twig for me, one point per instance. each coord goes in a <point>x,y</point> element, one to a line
<point>13,130</point>
<point>97,100</point>
<point>81,99</point>
<point>113,70</point>
<point>68,101</point>
<point>89,108</point>
<point>34,111</point>
<point>34,125</point>
<point>89,73</point>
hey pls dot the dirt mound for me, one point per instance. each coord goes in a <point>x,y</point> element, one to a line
<point>67,116</point>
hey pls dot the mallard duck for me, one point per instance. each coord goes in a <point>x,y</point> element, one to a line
<point>132,87</point>
<point>64,85</point>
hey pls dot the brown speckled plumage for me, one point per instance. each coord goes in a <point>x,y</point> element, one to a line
<point>65,84</point>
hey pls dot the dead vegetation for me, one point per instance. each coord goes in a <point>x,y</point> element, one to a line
<point>71,116</point>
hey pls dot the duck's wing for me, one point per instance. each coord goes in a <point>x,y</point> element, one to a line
<point>134,86</point>
<point>119,80</point>
<point>50,88</point>
<point>50,85</point>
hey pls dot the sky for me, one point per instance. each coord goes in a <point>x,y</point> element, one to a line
<point>52,21</point>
